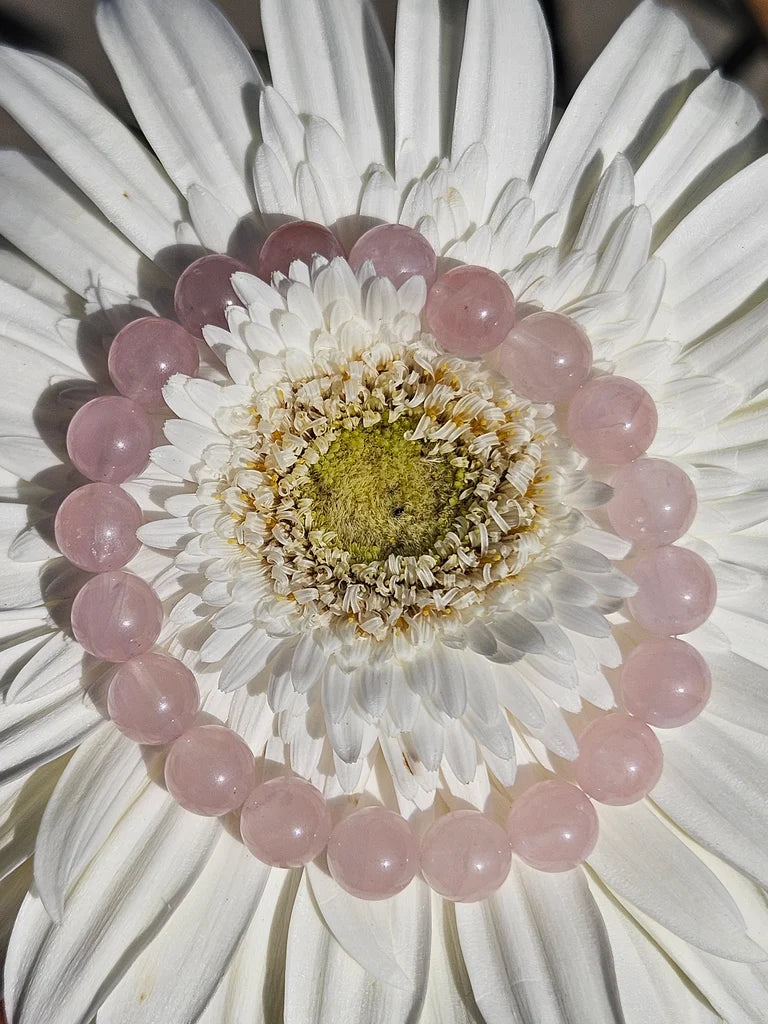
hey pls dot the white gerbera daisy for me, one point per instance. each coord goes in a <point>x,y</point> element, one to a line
<point>391,573</point>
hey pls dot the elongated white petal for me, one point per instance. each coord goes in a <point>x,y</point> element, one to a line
<point>22,802</point>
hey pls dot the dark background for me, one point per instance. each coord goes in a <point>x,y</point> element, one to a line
<point>579,28</point>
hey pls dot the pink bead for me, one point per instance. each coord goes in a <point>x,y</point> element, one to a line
<point>146,353</point>
<point>296,240</point>
<point>612,419</point>
<point>665,683</point>
<point>676,591</point>
<point>153,698</point>
<point>116,616</point>
<point>285,823</point>
<point>209,770</point>
<point>470,310</point>
<point>96,527</point>
<point>465,856</point>
<point>110,439</point>
<point>397,252</point>
<point>204,292</point>
<point>373,853</point>
<point>553,826</point>
<point>620,759</point>
<point>653,503</point>
<point>546,357</point>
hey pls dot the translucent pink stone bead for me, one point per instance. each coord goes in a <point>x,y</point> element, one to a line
<point>373,853</point>
<point>296,240</point>
<point>110,439</point>
<point>465,856</point>
<point>145,353</point>
<point>397,252</point>
<point>116,616</point>
<point>620,759</point>
<point>209,770</point>
<point>96,526</point>
<point>653,503</point>
<point>612,419</point>
<point>553,826</point>
<point>665,682</point>
<point>546,357</point>
<point>153,698</point>
<point>285,822</point>
<point>676,591</point>
<point>204,292</point>
<point>470,310</point>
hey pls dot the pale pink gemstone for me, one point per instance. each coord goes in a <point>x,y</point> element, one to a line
<point>373,854</point>
<point>204,292</point>
<point>545,357</point>
<point>553,826</point>
<point>146,353</point>
<point>653,503</point>
<point>620,759</point>
<point>96,526</point>
<point>612,419</point>
<point>110,439</point>
<point>676,591</point>
<point>116,616</point>
<point>397,252</point>
<point>465,856</point>
<point>209,770</point>
<point>296,240</point>
<point>153,698</point>
<point>470,310</point>
<point>665,682</point>
<point>285,822</point>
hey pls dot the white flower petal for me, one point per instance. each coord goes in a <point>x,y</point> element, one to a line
<point>422,58</point>
<point>59,663</point>
<point>248,658</point>
<point>22,802</point>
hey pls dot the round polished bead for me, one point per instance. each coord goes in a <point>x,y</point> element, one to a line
<point>397,252</point>
<point>553,826</point>
<point>296,240</point>
<point>109,439</point>
<point>545,357</point>
<point>465,856</point>
<point>373,853</point>
<point>96,526</point>
<point>653,503</point>
<point>665,682</point>
<point>146,353</point>
<point>209,770</point>
<point>676,591</point>
<point>612,419</point>
<point>285,822</point>
<point>620,759</point>
<point>116,616</point>
<point>470,310</point>
<point>204,292</point>
<point>153,698</point>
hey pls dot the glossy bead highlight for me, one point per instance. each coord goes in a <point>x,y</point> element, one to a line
<point>676,591</point>
<point>546,357</point>
<point>204,292</point>
<point>209,770</point>
<point>470,310</point>
<point>96,526</point>
<point>153,698</point>
<point>397,252</point>
<point>145,354</point>
<point>665,682</point>
<point>612,419</point>
<point>285,822</point>
<point>116,616</point>
<point>553,826</point>
<point>620,759</point>
<point>296,240</point>
<point>653,503</point>
<point>109,439</point>
<point>465,856</point>
<point>373,853</point>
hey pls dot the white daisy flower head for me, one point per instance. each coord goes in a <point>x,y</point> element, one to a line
<point>383,602</point>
